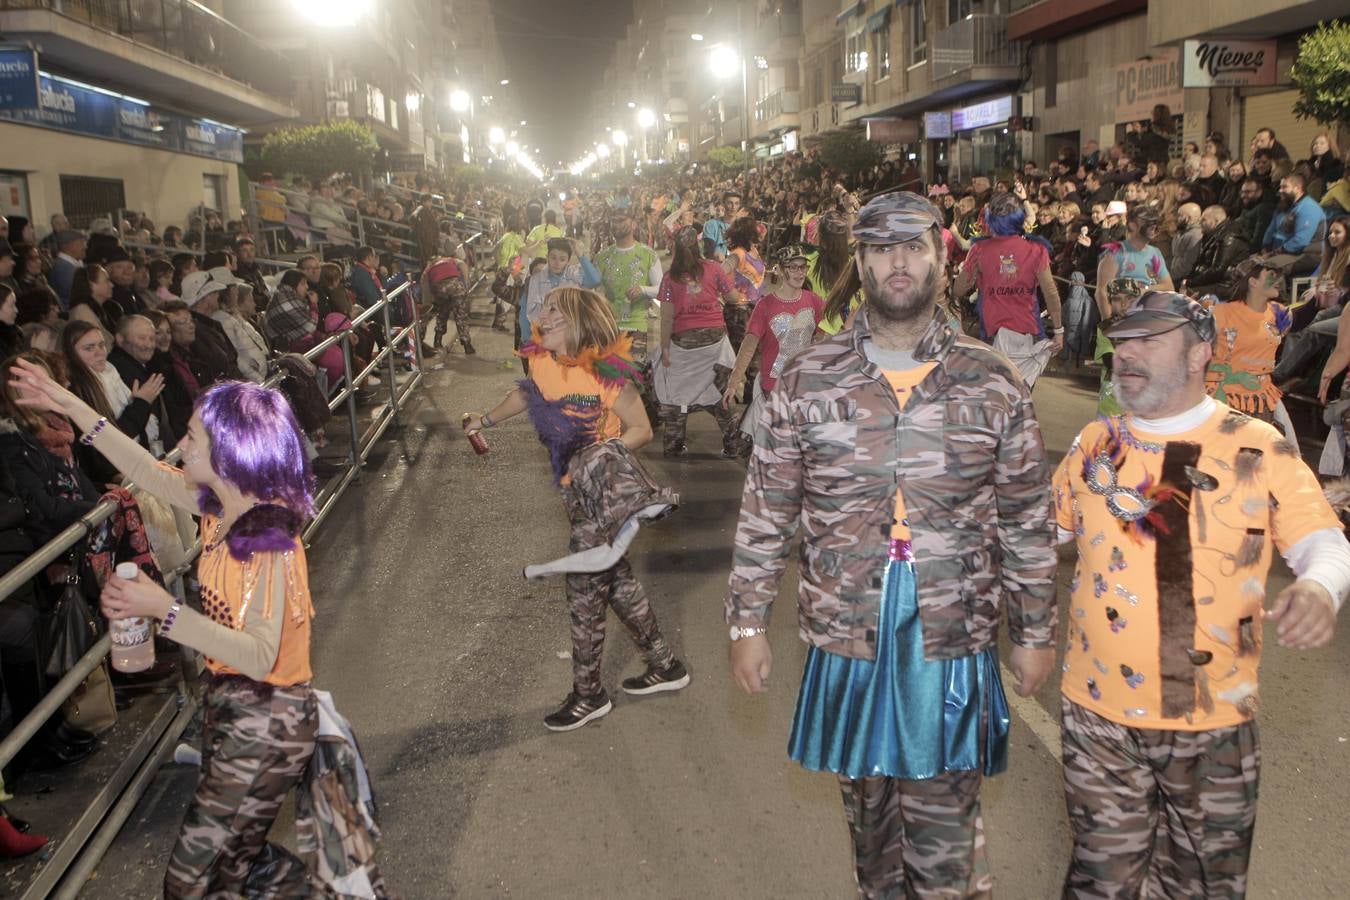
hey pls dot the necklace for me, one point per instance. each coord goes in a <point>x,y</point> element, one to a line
<point>1129,439</point>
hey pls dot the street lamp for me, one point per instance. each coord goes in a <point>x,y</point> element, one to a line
<point>603,150</point>
<point>333,13</point>
<point>496,135</point>
<point>512,148</point>
<point>460,101</point>
<point>620,139</point>
<point>645,119</point>
<point>696,37</point>
<point>725,62</point>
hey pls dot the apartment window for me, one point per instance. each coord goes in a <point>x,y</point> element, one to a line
<point>817,86</point>
<point>881,51</point>
<point>958,10</point>
<point>855,52</point>
<point>213,191</point>
<point>375,102</point>
<point>918,32</point>
<point>85,199</point>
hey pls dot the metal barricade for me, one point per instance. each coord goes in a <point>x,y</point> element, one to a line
<point>76,854</point>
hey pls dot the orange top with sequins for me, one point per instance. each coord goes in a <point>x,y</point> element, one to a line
<point>232,590</point>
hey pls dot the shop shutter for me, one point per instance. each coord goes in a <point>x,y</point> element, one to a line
<point>84,199</point>
<point>1276,110</point>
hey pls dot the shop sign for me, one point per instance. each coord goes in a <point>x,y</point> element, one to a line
<point>66,105</point>
<point>1144,83</point>
<point>937,125</point>
<point>1216,62</point>
<point>18,77</point>
<point>845,93</point>
<point>892,131</point>
<point>982,115</point>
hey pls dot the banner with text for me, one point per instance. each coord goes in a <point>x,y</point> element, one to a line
<point>1144,83</point>
<point>1218,62</point>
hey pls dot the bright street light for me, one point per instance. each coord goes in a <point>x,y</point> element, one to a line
<point>646,118</point>
<point>603,150</point>
<point>695,37</point>
<point>632,105</point>
<point>333,13</point>
<point>512,148</point>
<point>496,135</point>
<point>505,81</point>
<point>724,62</point>
<point>618,137</point>
<point>460,100</point>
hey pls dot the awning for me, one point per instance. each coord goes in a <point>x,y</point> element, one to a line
<point>853,10</point>
<point>879,20</point>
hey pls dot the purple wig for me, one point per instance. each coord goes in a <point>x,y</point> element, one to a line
<point>256,445</point>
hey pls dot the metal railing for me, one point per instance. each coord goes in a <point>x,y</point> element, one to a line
<point>78,852</point>
<point>183,29</point>
<point>977,40</point>
<point>777,103</point>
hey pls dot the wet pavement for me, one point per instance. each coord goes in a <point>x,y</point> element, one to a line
<point>445,661</point>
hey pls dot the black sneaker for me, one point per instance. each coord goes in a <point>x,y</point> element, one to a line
<point>654,680</point>
<point>576,712</point>
<point>676,451</point>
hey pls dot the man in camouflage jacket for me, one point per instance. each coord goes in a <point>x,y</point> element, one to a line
<point>831,450</point>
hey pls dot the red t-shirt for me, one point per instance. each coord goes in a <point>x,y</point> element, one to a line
<point>697,303</point>
<point>784,329</point>
<point>1005,274</point>
<point>442,269</point>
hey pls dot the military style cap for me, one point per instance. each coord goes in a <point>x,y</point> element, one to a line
<point>892,218</point>
<point>791,252</point>
<point>1158,312</point>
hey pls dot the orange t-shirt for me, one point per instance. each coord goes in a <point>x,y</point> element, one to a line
<point>232,590</point>
<point>903,382</point>
<point>1249,493</point>
<point>1244,355</point>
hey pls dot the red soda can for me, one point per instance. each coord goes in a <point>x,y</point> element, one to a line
<point>476,439</point>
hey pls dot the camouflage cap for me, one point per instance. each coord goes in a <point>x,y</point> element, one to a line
<point>895,217</point>
<point>791,252</point>
<point>1158,312</point>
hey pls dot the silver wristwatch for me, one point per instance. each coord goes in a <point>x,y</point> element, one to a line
<point>739,631</point>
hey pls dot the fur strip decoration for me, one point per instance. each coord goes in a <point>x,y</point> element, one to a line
<point>266,528</point>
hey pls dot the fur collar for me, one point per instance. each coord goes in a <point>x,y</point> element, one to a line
<point>267,527</point>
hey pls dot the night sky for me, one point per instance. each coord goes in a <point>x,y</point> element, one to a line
<point>556,52</point>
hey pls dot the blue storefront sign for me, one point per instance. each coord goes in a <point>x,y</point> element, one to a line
<point>18,77</point>
<point>66,105</point>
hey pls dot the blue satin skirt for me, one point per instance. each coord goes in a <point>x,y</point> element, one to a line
<point>900,715</point>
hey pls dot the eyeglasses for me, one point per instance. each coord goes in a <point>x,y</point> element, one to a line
<point>795,267</point>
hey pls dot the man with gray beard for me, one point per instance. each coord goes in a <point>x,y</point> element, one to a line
<point>910,457</point>
<point>1176,507</point>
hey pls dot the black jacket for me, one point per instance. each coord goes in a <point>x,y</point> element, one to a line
<point>1220,250</point>
<point>133,371</point>
<point>213,352</point>
<point>35,472</point>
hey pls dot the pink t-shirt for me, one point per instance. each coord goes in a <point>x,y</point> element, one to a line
<point>784,329</point>
<point>697,303</point>
<point>1005,274</point>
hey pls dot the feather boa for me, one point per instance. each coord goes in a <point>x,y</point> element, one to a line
<point>612,365</point>
<point>563,427</point>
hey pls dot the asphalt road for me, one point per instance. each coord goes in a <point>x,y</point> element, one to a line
<point>446,662</point>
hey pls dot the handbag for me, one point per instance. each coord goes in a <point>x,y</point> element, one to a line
<point>70,629</point>
<point>92,706</point>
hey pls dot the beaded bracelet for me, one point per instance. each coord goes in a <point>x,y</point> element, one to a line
<point>487,420</point>
<point>169,618</point>
<point>88,437</point>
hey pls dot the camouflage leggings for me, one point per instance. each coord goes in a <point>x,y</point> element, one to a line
<point>590,594</point>
<point>675,420</point>
<point>256,744</point>
<point>452,306</point>
<point>918,838</point>
<point>737,317</point>
<point>1166,813</point>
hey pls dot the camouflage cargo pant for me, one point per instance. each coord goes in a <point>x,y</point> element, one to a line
<point>256,745</point>
<point>1158,813</point>
<point>737,317</point>
<point>675,419</point>
<point>646,390</point>
<point>918,838</point>
<point>458,307</point>
<point>590,595</point>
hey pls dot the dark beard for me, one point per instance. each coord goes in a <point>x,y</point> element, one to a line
<point>915,303</point>
<point>1286,203</point>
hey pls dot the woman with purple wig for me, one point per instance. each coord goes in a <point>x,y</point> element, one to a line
<point>246,474</point>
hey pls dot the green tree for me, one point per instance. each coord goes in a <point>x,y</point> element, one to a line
<point>728,159</point>
<point>317,151</point>
<point>849,152</point>
<point>1321,72</point>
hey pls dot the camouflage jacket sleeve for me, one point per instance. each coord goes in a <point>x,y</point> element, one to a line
<point>1026,530</point>
<point>770,508</point>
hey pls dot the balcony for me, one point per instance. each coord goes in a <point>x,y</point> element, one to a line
<point>1041,20</point>
<point>973,55</point>
<point>176,51</point>
<point>779,35</point>
<point>777,112</point>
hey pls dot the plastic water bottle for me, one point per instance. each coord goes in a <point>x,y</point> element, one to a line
<point>132,647</point>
